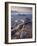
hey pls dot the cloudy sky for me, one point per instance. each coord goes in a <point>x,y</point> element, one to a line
<point>22,9</point>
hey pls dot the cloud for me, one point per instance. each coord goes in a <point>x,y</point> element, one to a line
<point>22,9</point>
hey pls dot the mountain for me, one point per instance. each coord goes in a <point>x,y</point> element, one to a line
<point>21,25</point>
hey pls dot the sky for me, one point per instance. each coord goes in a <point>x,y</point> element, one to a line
<point>22,9</point>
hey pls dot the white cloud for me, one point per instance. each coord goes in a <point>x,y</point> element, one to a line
<point>16,20</point>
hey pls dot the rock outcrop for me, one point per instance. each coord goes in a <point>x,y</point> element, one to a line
<point>22,31</point>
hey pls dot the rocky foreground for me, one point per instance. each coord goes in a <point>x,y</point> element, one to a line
<point>22,31</point>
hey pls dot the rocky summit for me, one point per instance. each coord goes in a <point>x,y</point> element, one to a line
<point>22,31</point>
